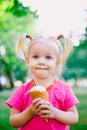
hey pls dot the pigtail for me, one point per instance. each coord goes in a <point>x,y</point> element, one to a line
<point>20,47</point>
<point>66,49</point>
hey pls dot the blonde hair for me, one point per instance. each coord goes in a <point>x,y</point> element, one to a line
<point>22,49</point>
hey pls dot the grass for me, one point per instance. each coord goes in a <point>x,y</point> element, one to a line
<point>82,110</point>
<point>5,111</point>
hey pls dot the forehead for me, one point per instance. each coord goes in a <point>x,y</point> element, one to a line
<point>43,46</point>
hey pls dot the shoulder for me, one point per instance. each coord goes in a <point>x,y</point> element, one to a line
<point>63,85</point>
<point>61,89</point>
<point>24,87</point>
<point>19,96</point>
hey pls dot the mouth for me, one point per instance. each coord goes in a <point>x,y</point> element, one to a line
<point>41,68</point>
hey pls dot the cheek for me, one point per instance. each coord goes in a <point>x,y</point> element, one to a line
<point>32,65</point>
<point>52,66</point>
<point>31,68</point>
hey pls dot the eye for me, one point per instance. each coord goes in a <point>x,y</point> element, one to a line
<point>35,56</point>
<point>48,57</point>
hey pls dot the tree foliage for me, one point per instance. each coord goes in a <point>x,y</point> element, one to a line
<point>14,20</point>
<point>76,66</point>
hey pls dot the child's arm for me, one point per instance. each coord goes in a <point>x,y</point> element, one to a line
<point>18,118</point>
<point>67,117</point>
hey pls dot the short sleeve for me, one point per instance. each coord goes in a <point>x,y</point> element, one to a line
<point>70,99</point>
<point>16,100</point>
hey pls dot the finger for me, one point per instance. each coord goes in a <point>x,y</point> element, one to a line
<point>36,100</point>
<point>36,103</point>
<point>45,114</point>
<point>45,106</point>
<point>36,106</point>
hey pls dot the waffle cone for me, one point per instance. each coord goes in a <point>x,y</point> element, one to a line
<point>38,94</point>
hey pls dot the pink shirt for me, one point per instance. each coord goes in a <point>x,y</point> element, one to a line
<point>60,95</point>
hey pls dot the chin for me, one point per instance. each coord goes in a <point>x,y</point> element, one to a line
<point>42,76</point>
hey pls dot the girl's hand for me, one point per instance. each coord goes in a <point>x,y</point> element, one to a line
<point>46,110</point>
<point>35,106</point>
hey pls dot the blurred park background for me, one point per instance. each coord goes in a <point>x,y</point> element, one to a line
<point>15,18</point>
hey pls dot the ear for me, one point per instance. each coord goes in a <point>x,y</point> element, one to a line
<point>27,60</point>
<point>58,62</point>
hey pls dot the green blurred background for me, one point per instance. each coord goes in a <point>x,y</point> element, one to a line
<point>14,20</point>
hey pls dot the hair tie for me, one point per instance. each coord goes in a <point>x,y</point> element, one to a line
<point>27,36</point>
<point>60,36</point>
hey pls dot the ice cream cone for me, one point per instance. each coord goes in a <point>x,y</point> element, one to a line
<point>39,92</point>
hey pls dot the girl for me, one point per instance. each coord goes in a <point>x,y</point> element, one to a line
<point>43,56</point>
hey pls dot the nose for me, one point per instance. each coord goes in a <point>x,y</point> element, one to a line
<point>41,61</point>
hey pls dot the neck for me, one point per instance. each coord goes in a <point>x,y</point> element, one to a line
<point>45,81</point>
